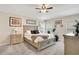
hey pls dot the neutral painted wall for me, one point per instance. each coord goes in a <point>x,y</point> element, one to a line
<point>5,30</point>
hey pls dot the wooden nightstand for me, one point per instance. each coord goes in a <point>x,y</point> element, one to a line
<point>15,38</point>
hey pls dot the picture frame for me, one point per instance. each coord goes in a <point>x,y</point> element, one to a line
<point>14,22</point>
<point>58,22</point>
<point>30,22</point>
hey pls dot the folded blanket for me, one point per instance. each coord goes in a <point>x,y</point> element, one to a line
<point>38,39</point>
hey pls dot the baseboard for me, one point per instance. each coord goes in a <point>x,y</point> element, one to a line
<point>4,44</point>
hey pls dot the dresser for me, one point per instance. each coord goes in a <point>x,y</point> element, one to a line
<point>16,38</point>
<point>71,44</point>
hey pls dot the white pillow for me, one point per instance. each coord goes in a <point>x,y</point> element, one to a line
<point>28,32</point>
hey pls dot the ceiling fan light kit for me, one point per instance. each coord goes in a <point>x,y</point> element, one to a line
<point>43,11</point>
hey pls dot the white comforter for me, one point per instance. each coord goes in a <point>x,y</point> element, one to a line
<point>39,38</point>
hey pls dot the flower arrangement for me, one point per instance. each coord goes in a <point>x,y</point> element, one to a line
<point>13,31</point>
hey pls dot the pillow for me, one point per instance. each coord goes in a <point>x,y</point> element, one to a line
<point>37,32</point>
<point>34,32</point>
<point>38,39</point>
<point>28,32</point>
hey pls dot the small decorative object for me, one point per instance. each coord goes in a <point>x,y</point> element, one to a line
<point>13,31</point>
<point>28,21</point>
<point>54,29</point>
<point>48,32</point>
<point>14,22</point>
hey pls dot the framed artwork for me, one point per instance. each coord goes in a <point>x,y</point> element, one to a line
<point>58,22</point>
<point>28,21</point>
<point>15,22</point>
<point>61,25</point>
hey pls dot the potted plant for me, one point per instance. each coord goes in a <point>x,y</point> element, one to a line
<point>76,28</point>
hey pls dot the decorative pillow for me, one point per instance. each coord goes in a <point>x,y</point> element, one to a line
<point>34,32</point>
<point>38,39</point>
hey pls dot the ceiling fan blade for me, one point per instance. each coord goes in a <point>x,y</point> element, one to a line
<point>50,8</point>
<point>37,8</point>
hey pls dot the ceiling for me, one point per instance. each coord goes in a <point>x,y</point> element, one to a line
<point>29,10</point>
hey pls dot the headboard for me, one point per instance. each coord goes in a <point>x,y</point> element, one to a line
<point>28,27</point>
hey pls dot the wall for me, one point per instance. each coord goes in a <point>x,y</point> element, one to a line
<point>68,22</point>
<point>4,27</point>
<point>5,30</point>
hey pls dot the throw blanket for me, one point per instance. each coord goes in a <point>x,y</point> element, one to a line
<point>38,39</point>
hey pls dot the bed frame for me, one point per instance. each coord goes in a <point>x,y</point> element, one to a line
<point>40,45</point>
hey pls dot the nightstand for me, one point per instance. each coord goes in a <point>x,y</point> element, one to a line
<point>15,38</point>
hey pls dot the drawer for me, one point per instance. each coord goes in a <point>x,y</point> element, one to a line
<point>15,39</point>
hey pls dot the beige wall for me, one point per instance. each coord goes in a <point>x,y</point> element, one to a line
<point>4,27</point>
<point>5,30</point>
<point>68,22</point>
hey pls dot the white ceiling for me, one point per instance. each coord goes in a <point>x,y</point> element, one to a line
<point>29,10</point>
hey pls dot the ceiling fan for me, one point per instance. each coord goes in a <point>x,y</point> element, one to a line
<point>44,8</point>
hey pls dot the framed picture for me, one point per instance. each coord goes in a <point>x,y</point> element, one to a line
<point>58,22</point>
<point>28,21</point>
<point>14,22</point>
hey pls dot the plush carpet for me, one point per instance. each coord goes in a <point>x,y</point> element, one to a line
<point>26,49</point>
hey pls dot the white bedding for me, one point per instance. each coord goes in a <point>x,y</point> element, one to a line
<point>39,38</point>
<point>28,37</point>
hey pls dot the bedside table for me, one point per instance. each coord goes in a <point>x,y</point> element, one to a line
<point>15,38</point>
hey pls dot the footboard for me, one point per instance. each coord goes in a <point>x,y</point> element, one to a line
<point>40,44</point>
<point>45,43</point>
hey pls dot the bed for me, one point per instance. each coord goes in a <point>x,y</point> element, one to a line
<point>39,41</point>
